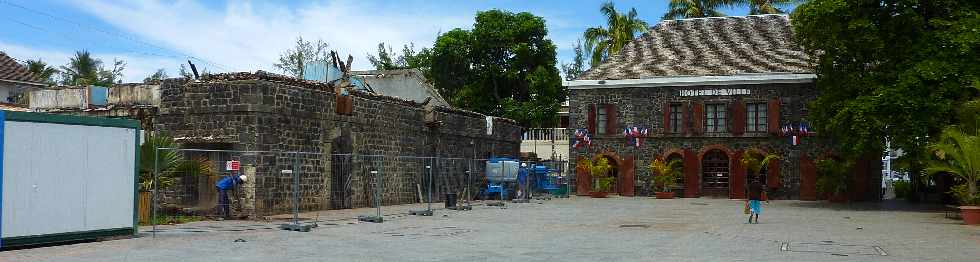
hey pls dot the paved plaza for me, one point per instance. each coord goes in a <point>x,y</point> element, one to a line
<point>575,229</point>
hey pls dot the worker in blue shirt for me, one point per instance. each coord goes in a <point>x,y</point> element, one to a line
<point>223,185</point>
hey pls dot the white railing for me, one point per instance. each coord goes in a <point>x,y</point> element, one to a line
<point>547,134</point>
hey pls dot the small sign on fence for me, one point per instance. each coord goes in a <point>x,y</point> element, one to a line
<point>233,165</point>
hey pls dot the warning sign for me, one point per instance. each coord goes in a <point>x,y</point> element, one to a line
<point>233,165</point>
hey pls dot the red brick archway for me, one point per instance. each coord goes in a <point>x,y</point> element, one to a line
<point>729,154</point>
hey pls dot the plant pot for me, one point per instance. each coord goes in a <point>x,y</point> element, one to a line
<point>837,198</point>
<point>970,214</point>
<point>665,195</point>
<point>598,194</point>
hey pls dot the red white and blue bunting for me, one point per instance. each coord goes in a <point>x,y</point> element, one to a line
<point>796,132</point>
<point>634,135</point>
<point>581,139</point>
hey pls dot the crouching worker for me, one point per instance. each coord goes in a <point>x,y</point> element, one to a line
<point>224,185</point>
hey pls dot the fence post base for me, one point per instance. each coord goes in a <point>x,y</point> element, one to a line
<point>425,213</point>
<point>373,219</point>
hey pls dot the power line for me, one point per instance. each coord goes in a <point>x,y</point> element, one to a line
<point>127,50</point>
<point>118,35</point>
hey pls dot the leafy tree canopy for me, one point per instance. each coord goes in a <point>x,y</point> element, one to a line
<point>157,76</point>
<point>387,59</point>
<point>505,66</point>
<point>293,61</point>
<point>83,69</point>
<point>41,70</point>
<point>897,67</point>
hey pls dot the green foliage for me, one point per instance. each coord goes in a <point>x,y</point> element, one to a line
<point>753,161</point>
<point>41,70</point>
<point>895,68</point>
<point>665,174</point>
<point>620,30</point>
<point>833,176</point>
<point>577,66</point>
<point>293,61</point>
<point>157,76</point>
<point>903,189</point>
<point>504,66</point>
<point>172,220</point>
<point>171,165</point>
<point>680,9</point>
<point>957,153</point>
<point>759,7</point>
<point>962,193</point>
<point>599,171</point>
<point>387,59</point>
<point>83,70</point>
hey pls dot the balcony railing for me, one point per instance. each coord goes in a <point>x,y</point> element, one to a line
<point>547,134</point>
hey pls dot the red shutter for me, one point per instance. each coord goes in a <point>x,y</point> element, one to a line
<point>590,125</point>
<point>772,177</point>
<point>627,180</point>
<point>808,178</point>
<point>611,126</point>
<point>685,119</point>
<point>583,181</point>
<point>692,183</point>
<point>697,123</point>
<point>773,122</point>
<point>666,118</point>
<point>738,118</point>
<point>738,178</point>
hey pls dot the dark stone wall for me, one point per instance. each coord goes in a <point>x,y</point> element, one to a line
<point>643,107</point>
<point>295,123</point>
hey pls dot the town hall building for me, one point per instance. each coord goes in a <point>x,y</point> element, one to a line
<point>706,91</point>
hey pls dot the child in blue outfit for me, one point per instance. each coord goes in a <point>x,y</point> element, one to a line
<point>757,193</point>
<point>223,185</point>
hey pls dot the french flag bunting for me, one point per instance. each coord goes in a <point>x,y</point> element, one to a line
<point>796,140</point>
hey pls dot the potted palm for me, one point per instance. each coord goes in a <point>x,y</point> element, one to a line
<point>601,181</point>
<point>958,153</point>
<point>663,175</point>
<point>833,179</point>
<point>754,161</point>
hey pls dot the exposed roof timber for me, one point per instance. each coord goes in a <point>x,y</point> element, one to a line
<point>743,79</point>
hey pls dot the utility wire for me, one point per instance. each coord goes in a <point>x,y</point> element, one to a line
<point>118,35</point>
<point>68,41</point>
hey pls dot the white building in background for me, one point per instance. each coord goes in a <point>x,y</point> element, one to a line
<point>547,143</point>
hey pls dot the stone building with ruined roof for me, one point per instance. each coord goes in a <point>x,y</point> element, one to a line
<point>707,90</point>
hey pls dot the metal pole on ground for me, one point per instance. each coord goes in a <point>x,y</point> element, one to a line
<point>295,226</point>
<point>156,169</point>
<point>428,210</point>
<point>375,171</point>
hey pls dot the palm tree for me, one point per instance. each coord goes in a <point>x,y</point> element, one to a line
<point>680,9</point>
<point>753,161</point>
<point>620,30</point>
<point>665,173</point>
<point>41,70</point>
<point>169,163</point>
<point>82,69</point>
<point>958,153</point>
<point>760,7</point>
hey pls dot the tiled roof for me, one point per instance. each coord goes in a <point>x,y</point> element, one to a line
<point>13,71</point>
<point>714,46</point>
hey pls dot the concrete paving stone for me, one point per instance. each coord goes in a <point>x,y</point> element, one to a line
<point>574,229</point>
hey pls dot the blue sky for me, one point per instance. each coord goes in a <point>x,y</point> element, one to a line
<point>249,35</point>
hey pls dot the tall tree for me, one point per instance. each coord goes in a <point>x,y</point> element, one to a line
<point>83,69</point>
<point>620,30</point>
<point>892,68</point>
<point>157,76</point>
<point>577,66</point>
<point>41,70</point>
<point>184,72</point>
<point>504,66</point>
<point>293,61</point>
<point>680,9</point>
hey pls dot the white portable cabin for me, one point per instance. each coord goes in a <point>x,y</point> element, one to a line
<point>66,178</point>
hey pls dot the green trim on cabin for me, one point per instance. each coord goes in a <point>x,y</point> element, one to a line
<point>65,237</point>
<point>71,120</point>
<point>136,185</point>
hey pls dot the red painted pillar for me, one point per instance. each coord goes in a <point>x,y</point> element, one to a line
<point>808,178</point>
<point>692,183</point>
<point>627,179</point>
<point>737,180</point>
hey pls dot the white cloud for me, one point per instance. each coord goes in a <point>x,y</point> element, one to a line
<point>137,67</point>
<point>248,36</point>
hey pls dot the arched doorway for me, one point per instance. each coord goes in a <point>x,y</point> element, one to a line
<point>715,174</point>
